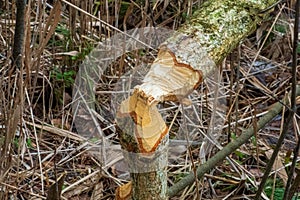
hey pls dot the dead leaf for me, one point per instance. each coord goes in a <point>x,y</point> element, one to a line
<point>55,189</point>
<point>98,191</point>
<point>278,165</point>
<point>58,123</point>
<point>254,81</point>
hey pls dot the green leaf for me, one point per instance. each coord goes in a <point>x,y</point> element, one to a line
<point>29,143</point>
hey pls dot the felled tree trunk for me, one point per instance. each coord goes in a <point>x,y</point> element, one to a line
<point>183,61</point>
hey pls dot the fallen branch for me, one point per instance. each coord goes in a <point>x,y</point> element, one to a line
<point>228,149</point>
<point>183,62</point>
<point>288,120</point>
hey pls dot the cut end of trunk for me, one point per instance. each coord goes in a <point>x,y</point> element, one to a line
<point>150,128</point>
<point>169,79</point>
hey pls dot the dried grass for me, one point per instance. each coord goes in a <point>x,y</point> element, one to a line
<point>39,142</point>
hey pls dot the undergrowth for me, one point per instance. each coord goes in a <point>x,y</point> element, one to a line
<point>45,144</point>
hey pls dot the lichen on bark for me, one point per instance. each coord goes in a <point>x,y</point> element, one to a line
<point>196,48</point>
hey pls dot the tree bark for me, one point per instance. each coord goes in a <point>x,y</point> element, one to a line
<point>19,34</point>
<point>229,148</point>
<point>183,61</point>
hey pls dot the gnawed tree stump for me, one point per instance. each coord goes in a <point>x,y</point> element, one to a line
<point>183,61</point>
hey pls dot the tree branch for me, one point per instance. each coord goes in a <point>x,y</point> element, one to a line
<point>228,149</point>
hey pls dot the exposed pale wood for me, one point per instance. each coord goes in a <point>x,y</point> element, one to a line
<point>183,61</point>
